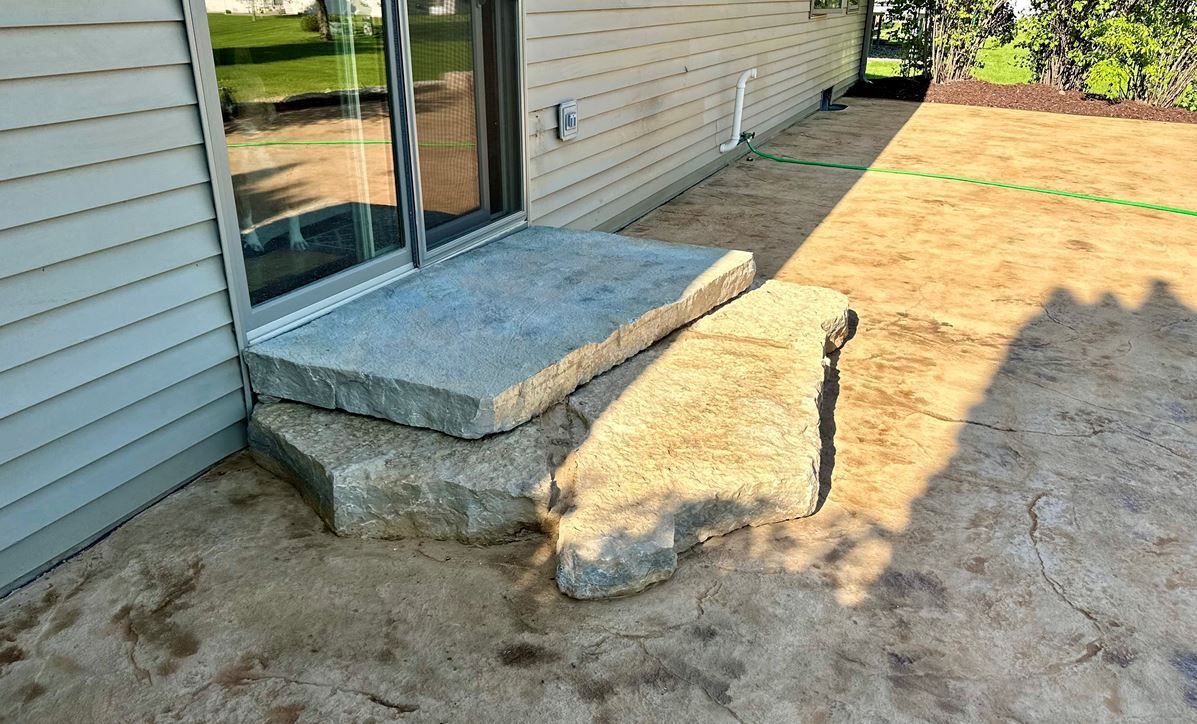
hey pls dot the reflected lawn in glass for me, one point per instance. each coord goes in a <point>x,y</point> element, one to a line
<point>272,58</point>
<point>312,209</point>
<point>446,112</point>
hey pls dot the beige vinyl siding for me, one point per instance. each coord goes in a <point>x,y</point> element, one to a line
<point>119,377</point>
<point>655,84</point>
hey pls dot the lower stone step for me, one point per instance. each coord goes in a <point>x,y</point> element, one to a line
<point>372,478</point>
<point>712,429</point>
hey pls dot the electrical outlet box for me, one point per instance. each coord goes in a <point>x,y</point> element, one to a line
<point>567,119</point>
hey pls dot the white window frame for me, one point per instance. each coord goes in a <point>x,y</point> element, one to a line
<point>843,7</point>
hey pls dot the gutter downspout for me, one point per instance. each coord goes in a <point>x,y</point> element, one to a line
<point>738,114</point>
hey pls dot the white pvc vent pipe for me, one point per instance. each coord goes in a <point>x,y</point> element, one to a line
<point>738,115</point>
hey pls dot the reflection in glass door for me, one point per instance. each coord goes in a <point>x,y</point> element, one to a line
<point>464,62</point>
<point>305,106</point>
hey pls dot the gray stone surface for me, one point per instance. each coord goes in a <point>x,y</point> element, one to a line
<point>485,341</point>
<point>713,430</point>
<point>373,478</point>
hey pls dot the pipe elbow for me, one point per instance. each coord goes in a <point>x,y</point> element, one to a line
<point>746,76</point>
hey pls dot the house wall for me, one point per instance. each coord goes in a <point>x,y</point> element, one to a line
<point>655,83</point>
<point>118,372</point>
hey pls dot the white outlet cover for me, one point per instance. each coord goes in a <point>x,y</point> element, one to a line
<point>567,119</point>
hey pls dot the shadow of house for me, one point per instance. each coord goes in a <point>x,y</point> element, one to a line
<point>1068,499</point>
<point>734,210</point>
<point>1015,587</point>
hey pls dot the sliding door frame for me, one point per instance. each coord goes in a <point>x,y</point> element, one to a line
<point>460,241</point>
<point>256,323</point>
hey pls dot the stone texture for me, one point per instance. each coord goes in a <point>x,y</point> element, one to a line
<point>713,430</point>
<point>372,478</point>
<point>485,341</point>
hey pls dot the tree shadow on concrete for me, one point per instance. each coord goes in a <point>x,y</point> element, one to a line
<point>1043,568</point>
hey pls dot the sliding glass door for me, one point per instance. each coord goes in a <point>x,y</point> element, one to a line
<point>464,65</point>
<point>362,136</point>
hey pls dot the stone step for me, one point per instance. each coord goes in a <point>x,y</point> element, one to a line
<point>483,342</point>
<point>372,478</point>
<point>714,428</point>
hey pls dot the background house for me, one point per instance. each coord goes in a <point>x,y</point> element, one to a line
<point>129,264</point>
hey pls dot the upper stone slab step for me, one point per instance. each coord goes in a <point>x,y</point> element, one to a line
<point>483,342</point>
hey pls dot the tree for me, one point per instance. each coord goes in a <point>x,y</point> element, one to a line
<point>1059,36</point>
<point>941,38</point>
<point>322,20</point>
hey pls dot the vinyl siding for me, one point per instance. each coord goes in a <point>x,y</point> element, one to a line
<point>655,84</point>
<point>119,377</point>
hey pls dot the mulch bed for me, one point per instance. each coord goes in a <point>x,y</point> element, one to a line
<point>1030,97</point>
<point>896,88</point>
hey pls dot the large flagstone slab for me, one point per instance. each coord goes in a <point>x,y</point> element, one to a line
<point>485,341</point>
<point>713,430</point>
<point>372,478</point>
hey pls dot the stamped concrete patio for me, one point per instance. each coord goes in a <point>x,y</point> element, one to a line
<point>1007,535</point>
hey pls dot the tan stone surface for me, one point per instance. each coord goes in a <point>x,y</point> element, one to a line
<point>1008,534</point>
<point>712,430</point>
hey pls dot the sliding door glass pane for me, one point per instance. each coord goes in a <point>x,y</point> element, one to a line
<point>304,101</point>
<point>443,65</point>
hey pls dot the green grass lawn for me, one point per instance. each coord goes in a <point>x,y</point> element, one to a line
<point>995,63</point>
<point>882,68</point>
<point>1002,64</point>
<point>271,57</point>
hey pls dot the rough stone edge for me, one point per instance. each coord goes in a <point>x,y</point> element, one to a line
<point>661,563</point>
<point>269,452</point>
<point>329,388</point>
<point>731,274</point>
<point>318,485</point>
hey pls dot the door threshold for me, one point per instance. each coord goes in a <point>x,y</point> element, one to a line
<point>474,239</point>
<point>461,245</point>
<point>324,306</point>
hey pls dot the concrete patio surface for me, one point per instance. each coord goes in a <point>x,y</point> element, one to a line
<point>1008,534</point>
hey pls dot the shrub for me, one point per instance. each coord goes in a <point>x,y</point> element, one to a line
<point>941,38</point>
<point>309,23</point>
<point>1058,37</point>
<point>228,101</point>
<point>1143,50</point>
<point>1188,99</point>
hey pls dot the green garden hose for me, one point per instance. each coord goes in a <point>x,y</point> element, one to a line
<point>747,139</point>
